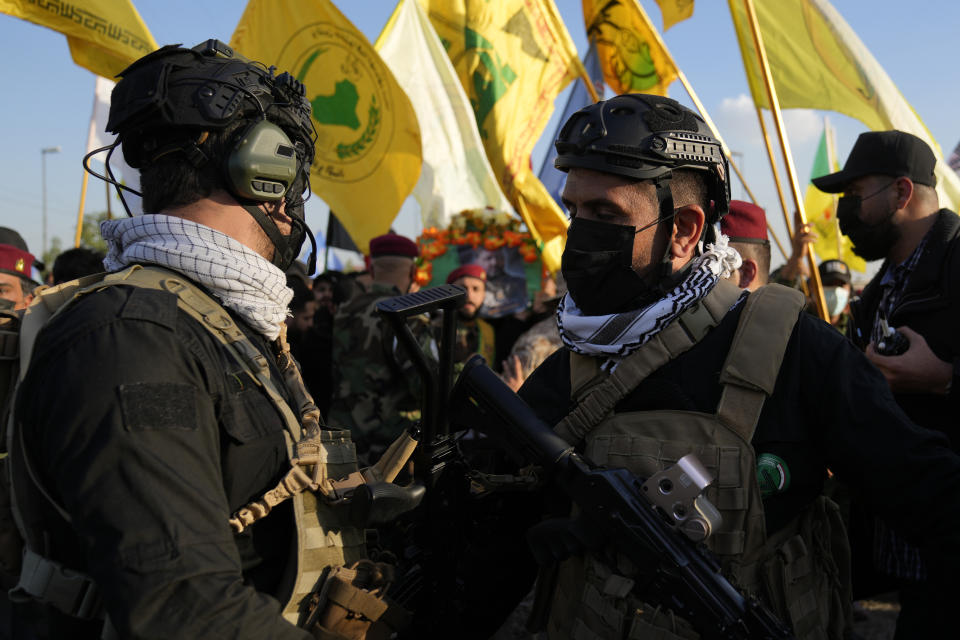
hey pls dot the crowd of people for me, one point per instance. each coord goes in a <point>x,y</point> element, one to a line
<point>200,429</point>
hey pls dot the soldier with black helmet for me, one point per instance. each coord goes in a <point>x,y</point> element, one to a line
<point>170,473</point>
<point>664,357</point>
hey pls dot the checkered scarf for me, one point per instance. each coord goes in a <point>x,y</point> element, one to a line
<point>242,280</point>
<point>618,335</point>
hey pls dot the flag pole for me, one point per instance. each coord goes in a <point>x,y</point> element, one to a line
<point>753,199</point>
<point>776,181</point>
<point>682,77</point>
<point>818,299</point>
<point>776,173</point>
<point>587,82</point>
<point>83,202</point>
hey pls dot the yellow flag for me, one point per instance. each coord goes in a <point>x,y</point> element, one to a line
<point>105,36</point>
<point>675,11</point>
<point>632,55</point>
<point>818,62</point>
<point>368,140</point>
<point>513,57</point>
<point>821,209</point>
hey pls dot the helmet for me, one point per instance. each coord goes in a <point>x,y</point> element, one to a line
<point>171,100</point>
<point>646,137</point>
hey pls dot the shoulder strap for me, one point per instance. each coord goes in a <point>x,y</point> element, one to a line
<point>205,310</point>
<point>190,298</point>
<point>598,400</point>
<point>44,307</point>
<point>750,371</point>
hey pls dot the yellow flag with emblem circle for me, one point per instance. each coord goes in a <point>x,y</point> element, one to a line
<point>512,57</point>
<point>368,156</point>
<point>105,36</point>
<point>632,56</point>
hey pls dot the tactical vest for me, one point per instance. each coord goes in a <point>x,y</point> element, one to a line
<point>320,456</point>
<point>794,570</point>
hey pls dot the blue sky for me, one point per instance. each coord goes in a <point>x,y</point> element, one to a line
<point>48,100</point>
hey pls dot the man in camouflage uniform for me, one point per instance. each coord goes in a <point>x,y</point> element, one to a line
<point>474,334</point>
<point>376,390</point>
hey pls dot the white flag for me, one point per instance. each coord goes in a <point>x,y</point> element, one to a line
<point>456,174</point>
<point>98,137</point>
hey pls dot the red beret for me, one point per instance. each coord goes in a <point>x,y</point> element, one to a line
<point>467,271</point>
<point>392,244</point>
<point>745,222</point>
<point>16,261</point>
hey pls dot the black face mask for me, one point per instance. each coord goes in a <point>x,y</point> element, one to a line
<point>870,241</point>
<point>597,265</point>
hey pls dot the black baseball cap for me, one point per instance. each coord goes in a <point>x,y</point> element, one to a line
<point>831,270</point>
<point>888,153</point>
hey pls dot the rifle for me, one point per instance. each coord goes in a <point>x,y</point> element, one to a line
<point>674,571</point>
<point>426,585</point>
<point>454,551</point>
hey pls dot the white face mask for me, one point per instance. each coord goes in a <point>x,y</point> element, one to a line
<point>836,299</point>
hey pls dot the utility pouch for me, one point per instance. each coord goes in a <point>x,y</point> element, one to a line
<point>350,603</point>
<point>807,578</point>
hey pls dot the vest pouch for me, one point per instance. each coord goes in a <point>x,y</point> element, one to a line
<point>806,578</point>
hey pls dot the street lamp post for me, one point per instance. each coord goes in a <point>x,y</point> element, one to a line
<point>43,180</point>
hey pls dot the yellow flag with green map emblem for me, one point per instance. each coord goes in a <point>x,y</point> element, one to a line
<point>512,57</point>
<point>632,56</point>
<point>368,155</point>
<point>818,62</point>
<point>105,36</point>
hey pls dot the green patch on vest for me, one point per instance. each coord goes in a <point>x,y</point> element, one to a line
<point>773,474</point>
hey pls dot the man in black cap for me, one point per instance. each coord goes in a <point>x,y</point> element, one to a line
<point>890,211</point>
<point>835,278</point>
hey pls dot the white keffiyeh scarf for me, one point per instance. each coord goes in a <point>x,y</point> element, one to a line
<point>242,280</point>
<point>618,335</point>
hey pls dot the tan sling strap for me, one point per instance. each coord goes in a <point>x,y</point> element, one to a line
<point>679,336</point>
<point>753,362</point>
<point>303,431</point>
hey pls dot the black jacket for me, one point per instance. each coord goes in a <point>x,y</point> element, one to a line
<point>830,408</point>
<point>149,436</point>
<point>930,305</point>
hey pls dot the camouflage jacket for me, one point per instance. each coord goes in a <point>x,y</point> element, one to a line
<point>376,390</point>
<point>474,336</point>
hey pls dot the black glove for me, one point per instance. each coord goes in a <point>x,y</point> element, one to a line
<point>557,539</point>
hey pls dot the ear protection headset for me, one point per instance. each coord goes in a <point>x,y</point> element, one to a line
<point>174,94</point>
<point>262,163</point>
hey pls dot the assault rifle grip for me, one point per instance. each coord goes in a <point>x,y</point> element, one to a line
<point>673,571</point>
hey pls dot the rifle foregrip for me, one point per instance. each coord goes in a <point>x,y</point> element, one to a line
<point>482,401</point>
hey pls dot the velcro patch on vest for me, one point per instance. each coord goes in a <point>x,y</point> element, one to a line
<point>150,305</point>
<point>157,406</point>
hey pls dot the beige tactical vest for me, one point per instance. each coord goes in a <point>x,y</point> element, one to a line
<point>319,456</point>
<point>792,570</point>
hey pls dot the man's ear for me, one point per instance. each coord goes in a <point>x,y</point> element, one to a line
<point>905,192</point>
<point>687,226</point>
<point>748,273</point>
